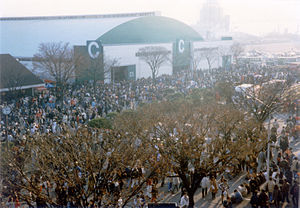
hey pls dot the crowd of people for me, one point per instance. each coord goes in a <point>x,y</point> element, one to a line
<point>43,113</point>
<point>273,190</point>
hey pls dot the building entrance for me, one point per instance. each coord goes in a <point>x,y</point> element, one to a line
<point>123,73</point>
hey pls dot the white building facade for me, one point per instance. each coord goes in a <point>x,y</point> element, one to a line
<point>118,37</point>
<point>188,50</point>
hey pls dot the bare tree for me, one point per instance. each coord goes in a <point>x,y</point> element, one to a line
<point>264,99</point>
<point>109,66</point>
<point>154,56</point>
<point>187,138</point>
<point>225,55</point>
<point>210,55</point>
<point>59,61</point>
<point>236,50</point>
<point>196,60</point>
<point>14,82</point>
<point>81,168</point>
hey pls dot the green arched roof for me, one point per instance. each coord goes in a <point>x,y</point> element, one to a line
<point>151,29</point>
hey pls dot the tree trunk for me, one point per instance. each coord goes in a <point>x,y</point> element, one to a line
<point>62,94</point>
<point>153,76</point>
<point>59,93</point>
<point>140,186</point>
<point>191,198</point>
<point>189,189</point>
<point>209,65</point>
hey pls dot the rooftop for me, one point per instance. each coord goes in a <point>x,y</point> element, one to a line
<point>21,36</point>
<point>150,29</point>
<point>15,75</point>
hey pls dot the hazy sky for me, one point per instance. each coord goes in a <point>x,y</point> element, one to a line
<point>252,16</point>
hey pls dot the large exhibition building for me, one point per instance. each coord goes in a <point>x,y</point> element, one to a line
<point>117,37</point>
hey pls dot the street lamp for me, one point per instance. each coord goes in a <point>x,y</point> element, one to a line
<point>268,154</point>
<point>268,137</point>
<point>6,111</point>
<point>268,141</point>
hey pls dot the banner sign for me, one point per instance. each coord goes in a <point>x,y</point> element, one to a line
<point>94,48</point>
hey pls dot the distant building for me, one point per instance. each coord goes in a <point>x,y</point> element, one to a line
<point>213,23</point>
<point>259,58</point>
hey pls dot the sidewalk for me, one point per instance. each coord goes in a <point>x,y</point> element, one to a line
<point>207,202</point>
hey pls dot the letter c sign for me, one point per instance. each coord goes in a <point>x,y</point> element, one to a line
<point>181,46</point>
<point>93,49</point>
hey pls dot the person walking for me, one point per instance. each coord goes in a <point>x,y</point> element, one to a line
<point>213,187</point>
<point>295,194</point>
<point>295,167</point>
<point>261,159</point>
<point>176,183</point>
<point>184,201</point>
<point>224,188</point>
<point>263,199</point>
<point>204,185</point>
<point>254,201</point>
<point>253,184</point>
<point>270,186</point>
<point>276,196</point>
<point>285,191</point>
<point>170,182</point>
<point>154,193</point>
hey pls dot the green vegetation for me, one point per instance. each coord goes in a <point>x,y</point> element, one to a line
<point>102,123</point>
